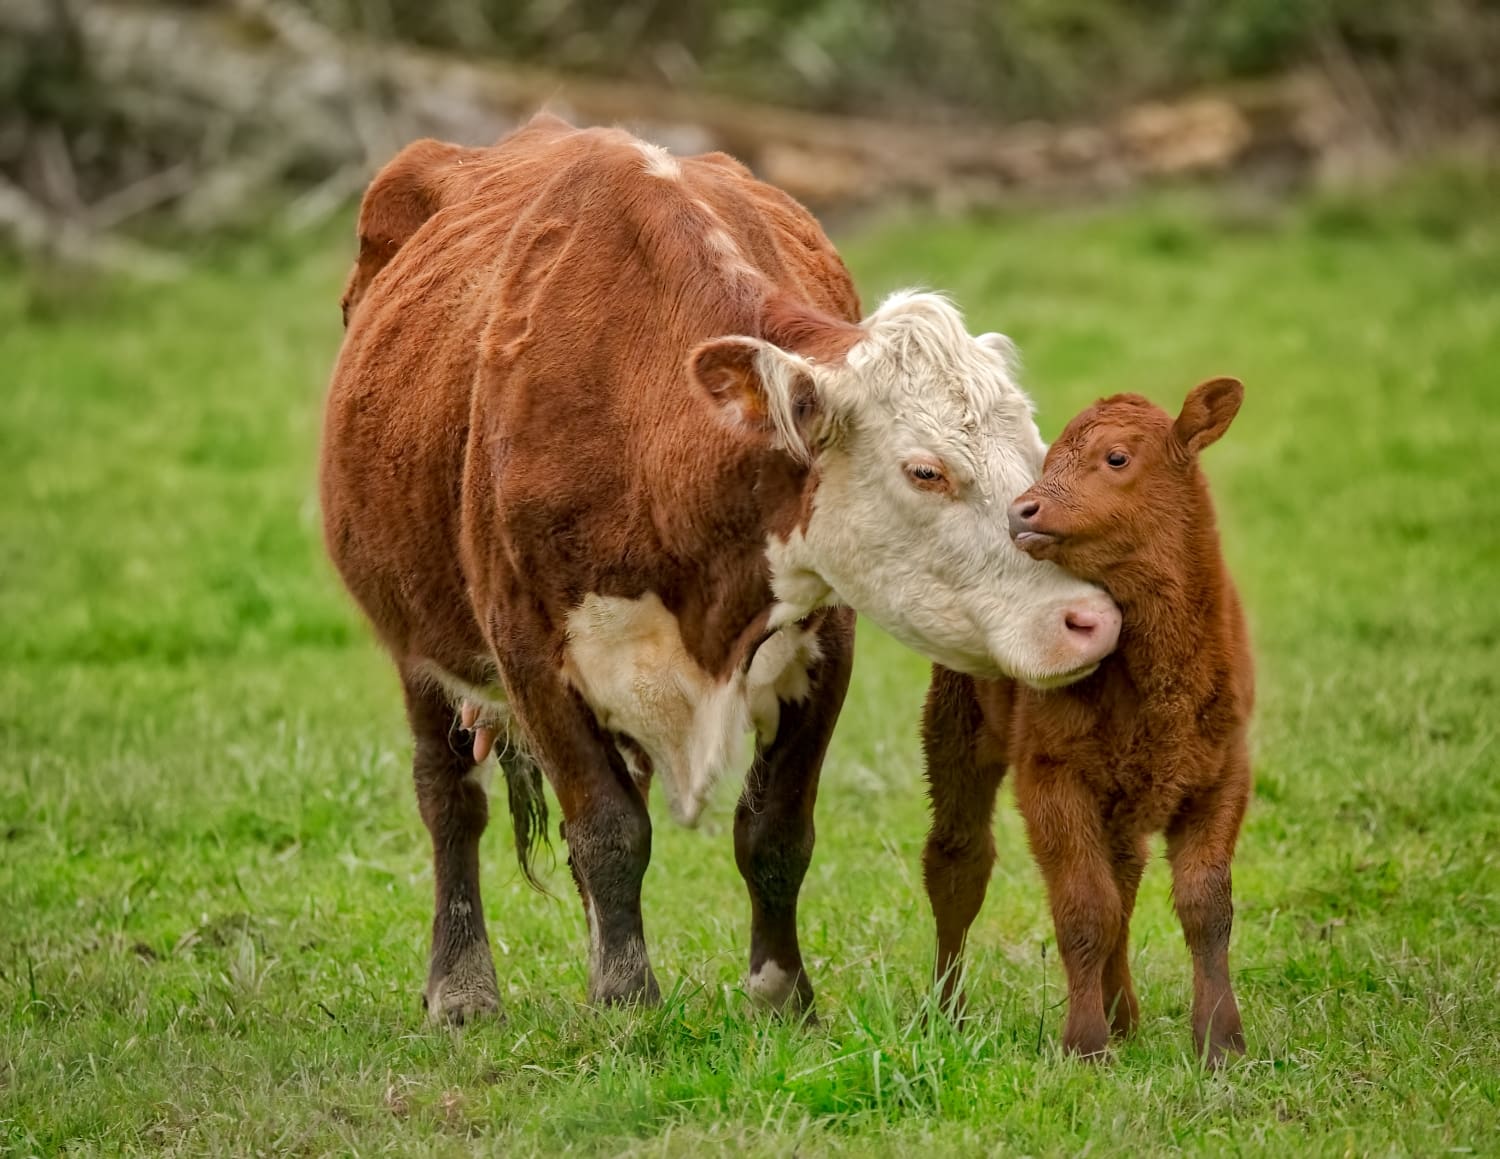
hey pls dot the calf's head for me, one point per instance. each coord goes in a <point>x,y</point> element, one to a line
<point>1122,482</point>
<point>917,438</point>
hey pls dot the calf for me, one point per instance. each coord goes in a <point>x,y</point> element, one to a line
<point>1154,740</point>
<point>609,461</point>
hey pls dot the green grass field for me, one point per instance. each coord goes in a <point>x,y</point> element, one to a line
<point>214,886</point>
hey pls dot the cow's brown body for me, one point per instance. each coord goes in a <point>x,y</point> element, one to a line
<point>508,432</point>
<point>1154,741</point>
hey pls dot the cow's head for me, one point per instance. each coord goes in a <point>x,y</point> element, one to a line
<point>918,438</point>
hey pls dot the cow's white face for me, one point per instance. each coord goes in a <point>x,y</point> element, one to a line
<point>921,438</point>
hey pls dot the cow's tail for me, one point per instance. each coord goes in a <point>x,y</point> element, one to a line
<point>528,812</point>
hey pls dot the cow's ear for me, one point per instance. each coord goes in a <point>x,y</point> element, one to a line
<point>1207,413</point>
<point>999,344</point>
<point>761,388</point>
<point>398,202</point>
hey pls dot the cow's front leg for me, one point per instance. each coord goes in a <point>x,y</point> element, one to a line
<point>455,808</point>
<point>605,824</point>
<point>773,823</point>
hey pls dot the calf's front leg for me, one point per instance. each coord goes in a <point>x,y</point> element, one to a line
<point>1067,839</point>
<point>773,822</point>
<point>1129,855</point>
<point>1200,846</point>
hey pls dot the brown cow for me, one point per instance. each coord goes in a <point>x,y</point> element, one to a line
<point>608,461</point>
<point>1154,740</point>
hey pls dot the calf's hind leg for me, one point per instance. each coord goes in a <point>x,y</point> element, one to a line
<point>773,822</point>
<point>455,808</point>
<point>1200,845</point>
<point>963,734</point>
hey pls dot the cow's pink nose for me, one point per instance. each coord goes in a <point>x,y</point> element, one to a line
<point>1092,630</point>
<point>1082,623</point>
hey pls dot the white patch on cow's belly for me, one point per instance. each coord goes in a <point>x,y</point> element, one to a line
<point>628,661</point>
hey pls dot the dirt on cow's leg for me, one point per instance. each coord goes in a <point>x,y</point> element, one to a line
<point>773,823</point>
<point>609,847</point>
<point>963,734</point>
<point>455,807</point>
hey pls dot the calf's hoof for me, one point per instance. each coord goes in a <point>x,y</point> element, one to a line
<point>1223,1048</point>
<point>468,991</point>
<point>1089,1042</point>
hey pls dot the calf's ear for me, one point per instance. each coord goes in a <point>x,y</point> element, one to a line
<point>760,388</point>
<point>1207,413</point>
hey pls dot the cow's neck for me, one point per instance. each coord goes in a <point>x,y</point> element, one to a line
<point>736,514</point>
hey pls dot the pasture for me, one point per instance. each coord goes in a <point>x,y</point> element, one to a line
<point>215,891</point>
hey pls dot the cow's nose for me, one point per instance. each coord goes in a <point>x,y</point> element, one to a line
<point>1092,629</point>
<point>1022,512</point>
<point>1082,624</point>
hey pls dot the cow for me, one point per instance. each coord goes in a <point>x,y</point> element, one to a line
<point>1154,740</point>
<point>609,462</point>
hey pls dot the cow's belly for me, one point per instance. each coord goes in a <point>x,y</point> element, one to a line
<point>628,661</point>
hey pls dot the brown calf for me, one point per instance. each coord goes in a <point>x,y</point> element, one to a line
<point>1154,740</point>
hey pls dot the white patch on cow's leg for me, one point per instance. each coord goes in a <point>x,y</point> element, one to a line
<point>772,986</point>
<point>482,774</point>
<point>659,163</point>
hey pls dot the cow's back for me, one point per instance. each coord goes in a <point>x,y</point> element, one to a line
<point>519,323</point>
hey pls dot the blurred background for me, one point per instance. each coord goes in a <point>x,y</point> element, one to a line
<point>215,891</point>
<point>206,113</point>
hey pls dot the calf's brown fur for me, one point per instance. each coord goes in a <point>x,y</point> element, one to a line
<point>1154,741</point>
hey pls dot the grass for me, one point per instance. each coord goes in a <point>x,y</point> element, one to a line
<point>214,892</point>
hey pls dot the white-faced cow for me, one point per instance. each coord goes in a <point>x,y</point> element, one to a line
<point>609,462</point>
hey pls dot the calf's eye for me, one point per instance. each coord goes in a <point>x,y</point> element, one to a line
<point>1117,458</point>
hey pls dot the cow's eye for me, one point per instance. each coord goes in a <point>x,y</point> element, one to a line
<point>1117,458</point>
<point>926,475</point>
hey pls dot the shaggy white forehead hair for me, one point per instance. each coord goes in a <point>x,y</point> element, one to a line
<point>919,362</point>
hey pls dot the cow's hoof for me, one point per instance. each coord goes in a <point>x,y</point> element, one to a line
<point>466,992</point>
<point>625,988</point>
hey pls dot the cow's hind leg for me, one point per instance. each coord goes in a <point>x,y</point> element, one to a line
<point>773,823</point>
<point>455,807</point>
<point>965,762</point>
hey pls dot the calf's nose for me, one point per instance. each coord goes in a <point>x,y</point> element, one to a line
<point>1022,512</point>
